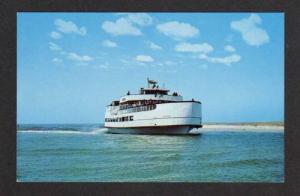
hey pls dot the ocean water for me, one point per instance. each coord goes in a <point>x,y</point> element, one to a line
<point>86,153</point>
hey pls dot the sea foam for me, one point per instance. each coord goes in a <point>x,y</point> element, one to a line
<point>92,132</point>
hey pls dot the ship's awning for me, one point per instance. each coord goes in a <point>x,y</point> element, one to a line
<point>152,81</point>
<point>140,97</point>
<point>155,89</point>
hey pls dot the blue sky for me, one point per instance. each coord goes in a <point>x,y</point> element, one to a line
<point>71,65</point>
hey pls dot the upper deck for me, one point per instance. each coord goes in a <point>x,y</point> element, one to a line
<point>161,97</point>
<point>152,94</point>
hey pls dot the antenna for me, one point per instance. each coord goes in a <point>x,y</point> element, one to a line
<point>148,82</point>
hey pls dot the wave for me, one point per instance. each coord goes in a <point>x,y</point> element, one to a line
<point>47,128</point>
<point>65,127</point>
<point>247,162</point>
<point>66,131</point>
<point>100,130</point>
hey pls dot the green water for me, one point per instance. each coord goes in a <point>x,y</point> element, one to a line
<point>48,153</point>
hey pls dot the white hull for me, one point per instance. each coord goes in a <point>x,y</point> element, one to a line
<point>168,118</point>
<point>167,130</point>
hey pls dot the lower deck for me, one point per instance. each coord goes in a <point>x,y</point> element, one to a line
<point>169,114</point>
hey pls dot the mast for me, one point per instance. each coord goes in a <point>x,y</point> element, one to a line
<point>151,82</point>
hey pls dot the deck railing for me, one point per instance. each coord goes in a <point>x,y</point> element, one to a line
<point>137,109</point>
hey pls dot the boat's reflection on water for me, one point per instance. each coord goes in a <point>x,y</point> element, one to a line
<point>154,142</point>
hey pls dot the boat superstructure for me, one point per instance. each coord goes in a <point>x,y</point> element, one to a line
<point>153,111</point>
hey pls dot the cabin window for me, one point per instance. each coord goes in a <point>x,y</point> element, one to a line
<point>130,109</point>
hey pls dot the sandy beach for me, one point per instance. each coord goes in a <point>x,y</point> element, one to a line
<point>241,128</point>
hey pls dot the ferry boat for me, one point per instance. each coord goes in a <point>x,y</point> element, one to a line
<point>153,111</point>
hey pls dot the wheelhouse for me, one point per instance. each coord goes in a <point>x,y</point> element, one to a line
<point>151,95</point>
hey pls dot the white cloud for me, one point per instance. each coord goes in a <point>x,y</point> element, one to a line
<point>177,30</point>
<point>121,27</point>
<point>55,35</point>
<point>127,25</point>
<point>141,19</point>
<point>57,60</point>
<point>110,44</point>
<point>144,58</point>
<point>187,47</point>
<point>229,48</point>
<point>125,61</point>
<point>169,63</point>
<point>228,60</point>
<point>154,46</point>
<point>53,46</point>
<point>251,34</point>
<point>62,52</point>
<point>76,57</point>
<point>69,27</point>
<point>102,66</point>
